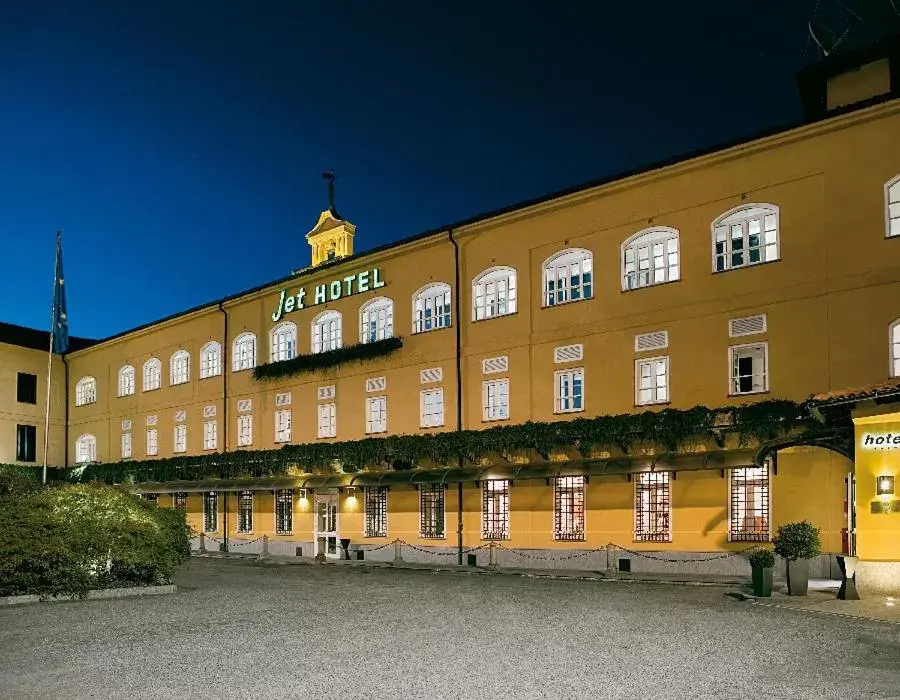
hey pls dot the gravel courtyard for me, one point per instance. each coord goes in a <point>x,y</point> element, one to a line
<point>243,629</point>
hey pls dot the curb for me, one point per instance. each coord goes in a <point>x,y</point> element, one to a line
<point>98,594</point>
<point>753,600</point>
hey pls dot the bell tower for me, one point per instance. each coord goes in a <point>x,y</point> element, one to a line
<point>331,237</point>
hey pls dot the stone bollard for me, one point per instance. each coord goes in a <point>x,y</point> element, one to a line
<point>265,552</point>
<point>398,553</point>
<point>611,564</point>
<point>492,556</point>
<point>202,543</point>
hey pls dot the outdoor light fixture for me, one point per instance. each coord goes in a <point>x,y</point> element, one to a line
<point>351,492</point>
<point>885,485</point>
<point>302,493</point>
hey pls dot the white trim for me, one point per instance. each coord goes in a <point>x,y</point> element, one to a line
<point>585,254</point>
<point>572,372</point>
<point>495,275</point>
<point>437,288</point>
<point>147,371</point>
<point>86,391</point>
<point>212,349</point>
<point>379,426</point>
<point>653,235</point>
<point>654,340</point>
<point>731,348</point>
<point>125,370</point>
<point>245,338</point>
<point>770,209</point>
<point>485,417</point>
<point>384,323</point>
<point>85,443</point>
<point>286,349</point>
<point>893,358</point>
<point>887,205</point>
<point>322,323</point>
<point>177,357</point>
<point>423,415</point>
<point>637,380</point>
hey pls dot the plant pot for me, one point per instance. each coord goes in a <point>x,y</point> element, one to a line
<point>762,581</point>
<point>798,576</point>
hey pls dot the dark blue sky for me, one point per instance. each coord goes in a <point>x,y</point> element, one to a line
<point>179,145</point>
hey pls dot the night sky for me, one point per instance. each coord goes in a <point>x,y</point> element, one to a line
<point>180,146</point>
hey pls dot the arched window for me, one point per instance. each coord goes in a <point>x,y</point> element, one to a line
<point>283,342</point>
<point>152,374</point>
<point>376,320</point>
<point>568,277</point>
<point>326,331</point>
<point>85,391</point>
<point>126,380</point>
<point>494,293</point>
<point>86,449</point>
<point>892,206</point>
<point>180,368</point>
<point>745,236</point>
<point>650,257</point>
<point>431,308</point>
<point>210,360</point>
<point>894,340</point>
<point>243,352</point>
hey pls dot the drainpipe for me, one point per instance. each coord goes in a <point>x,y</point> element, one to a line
<point>459,486</point>
<point>225,359</point>
<point>66,402</point>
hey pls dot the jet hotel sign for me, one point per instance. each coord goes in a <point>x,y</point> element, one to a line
<point>330,291</point>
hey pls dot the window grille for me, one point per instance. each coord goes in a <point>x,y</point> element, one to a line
<point>180,416</point>
<point>152,498</point>
<point>126,425</point>
<point>494,293</point>
<point>492,365</point>
<point>376,511</point>
<point>495,510</point>
<point>376,384</point>
<point>431,511</point>
<point>179,500</point>
<point>326,392</point>
<point>245,511</point>
<point>210,511</point>
<point>651,513</point>
<point>748,325</point>
<point>568,277</point>
<point>431,308</point>
<point>152,420</point>
<point>568,508</point>
<point>209,411</point>
<point>749,516</point>
<point>568,353</point>
<point>284,511</point>
<point>657,340</point>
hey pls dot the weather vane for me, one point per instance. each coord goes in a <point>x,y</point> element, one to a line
<point>330,177</point>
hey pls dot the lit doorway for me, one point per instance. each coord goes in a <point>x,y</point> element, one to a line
<point>326,535</point>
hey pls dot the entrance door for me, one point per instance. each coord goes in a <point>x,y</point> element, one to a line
<point>327,525</point>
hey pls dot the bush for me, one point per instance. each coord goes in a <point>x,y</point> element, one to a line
<point>762,558</point>
<point>69,539</point>
<point>797,541</point>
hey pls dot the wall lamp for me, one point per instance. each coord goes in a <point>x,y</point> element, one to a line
<point>302,493</point>
<point>884,485</point>
<point>351,492</point>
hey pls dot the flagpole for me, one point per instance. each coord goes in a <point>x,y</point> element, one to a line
<point>47,418</point>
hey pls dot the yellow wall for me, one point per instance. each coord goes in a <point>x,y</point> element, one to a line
<point>878,534</point>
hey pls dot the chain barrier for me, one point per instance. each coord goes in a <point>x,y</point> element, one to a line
<point>242,543</point>
<point>726,555</point>
<point>375,549</point>
<point>545,558</point>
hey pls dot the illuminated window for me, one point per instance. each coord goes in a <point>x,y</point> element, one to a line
<point>243,352</point>
<point>431,308</point>
<point>745,236</point>
<point>326,331</point>
<point>126,445</point>
<point>85,391</point>
<point>126,380</point>
<point>283,342</point>
<point>568,508</point>
<point>431,408</point>
<point>569,390</point>
<point>180,439</point>
<point>284,511</point>
<point>210,360</point>
<point>894,340</point>
<point>892,206</point>
<point>152,374</point>
<point>210,435</point>
<point>495,399</point>
<point>749,505</point>
<point>431,511</point>
<point>210,511</point>
<point>651,507</point>
<point>245,431</point>
<point>152,442</point>
<point>180,368</point>
<point>650,257</point>
<point>283,425</point>
<point>651,380</point>
<point>86,449</point>
<point>376,511</point>
<point>327,420</point>
<point>376,414</point>
<point>494,293</point>
<point>376,320</point>
<point>568,277</point>
<point>749,368</point>
<point>179,500</point>
<point>245,511</point>
<point>495,509</point>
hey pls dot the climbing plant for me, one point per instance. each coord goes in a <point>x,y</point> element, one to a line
<point>324,360</point>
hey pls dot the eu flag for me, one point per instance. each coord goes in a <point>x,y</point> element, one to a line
<point>59,321</point>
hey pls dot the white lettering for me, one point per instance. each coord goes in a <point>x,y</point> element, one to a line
<point>300,295</point>
<point>376,279</point>
<point>320,294</point>
<point>349,282</point>
<point>335,290</point>
<point>276,315</point>
<point>363,285</point>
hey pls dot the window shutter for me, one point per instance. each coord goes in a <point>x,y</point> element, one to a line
<point>180,416</point>
<point>427,376</point>
<point>748,325</point>
<point>244,405</point>
<point>326,392</point>
<point>568,353</point>
<point>209,411</point>
<point>492,365</point>
<point>651,341</point>
<point>376,384</point>
<point>283,399</point>
<point>151,420</point>
<point>126,425</point>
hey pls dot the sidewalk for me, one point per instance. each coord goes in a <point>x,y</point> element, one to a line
<point>824,601</point>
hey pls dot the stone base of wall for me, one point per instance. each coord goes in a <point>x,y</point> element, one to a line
<point>878,578</point>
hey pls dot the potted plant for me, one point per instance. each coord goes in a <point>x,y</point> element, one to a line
<point>762,563</point>
<point>797,543</point>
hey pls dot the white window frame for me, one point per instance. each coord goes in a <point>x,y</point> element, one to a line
<point>569,508</point>
<point>894,349</point>
<point>565,398</point>
<point>126,380</point>
<point>327,420</point>
<point>492,391</point>
<point>655,386</point>
<point>283,425</point>
<point>376,320</point>
<point>179,439</point>
<point>564,265</point>
<point>245,430</point>
<point>152,375</point>
<point>742,217</point>
<point>432,308</point>
<point>210,435</point>
<point>494,293</point>
<point>376,415</point>
<point>152,442</point>
<point>179,368</point>
<point>283,342</point>
<point>211,360</point>
<point>327,331</point>
<point>647,482</point>
<point>732,387</point>
<point>86,391</point>
<point>126,445</point>
<point>892,198</point>
<point>431,408</point>
<point>86,449</point>
<point>641,247</point>
<point>243,352</point>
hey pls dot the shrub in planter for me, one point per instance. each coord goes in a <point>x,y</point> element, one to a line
<point>797,543</point>
<point>762,562</point>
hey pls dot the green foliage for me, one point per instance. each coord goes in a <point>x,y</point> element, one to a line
<point>797,541</point>
<point>762,558</point>
<point>324,360</point>
<point>669,429</point>
<point>68,539</point>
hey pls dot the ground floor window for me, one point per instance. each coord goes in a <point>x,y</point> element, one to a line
<point>568,508</point>
<point>376,511</point>
<point>495,510</point>
<point>749,505</point>
<point>245,431</point>
<point>179,500</point>
<point>431,511</point>
<point>245,511</point>
<point>210,511</point>
<point>651,507</point>
<point>284,512</point>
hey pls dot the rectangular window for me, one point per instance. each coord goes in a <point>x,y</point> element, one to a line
<point>376,511</point>
<point>126,445</point>
<point>327,420</point>
<point>152,442</point>
<point>495,510</point>
<point>431,408</point>
<point>283,426</point>
<point>26,443</point>
<point>210,511</point>
<point>651,380</point>
<point>431,511</point>
<point>651,507</point>
<point>245,431</point>
<point>152,498</point>
<point>376,414</point>
<point>749,368</point>
<point>210,435</point>
<point>26,387</point>
<point>284,511</point>
<point>179,500</point>
<point>749,505</point>
<point>180,439</point>
<point>568,508</point>
<point>569,390</point>
<point>245,511</point>
<point>495,399</point>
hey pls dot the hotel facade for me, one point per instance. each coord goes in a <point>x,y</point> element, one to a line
<point>617,376</point>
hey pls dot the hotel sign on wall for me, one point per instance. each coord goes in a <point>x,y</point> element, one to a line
<point>330,291</point>
<point>880,441</point>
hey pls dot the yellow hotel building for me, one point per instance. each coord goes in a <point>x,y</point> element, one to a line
<point>526,377</point>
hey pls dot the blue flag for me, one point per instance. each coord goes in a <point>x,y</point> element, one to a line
<point>59,321</point>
